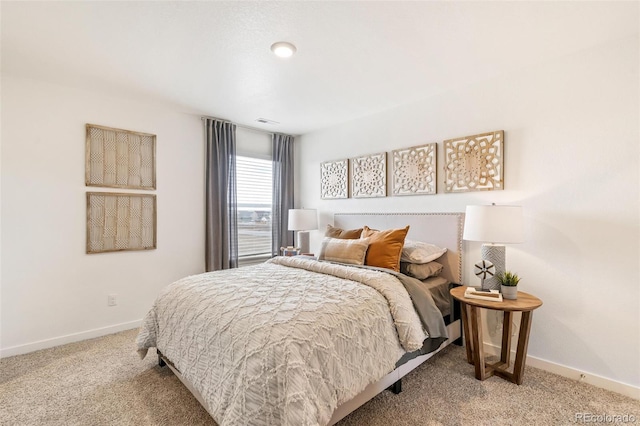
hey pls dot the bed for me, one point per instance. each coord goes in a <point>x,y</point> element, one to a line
<point>297,341</point>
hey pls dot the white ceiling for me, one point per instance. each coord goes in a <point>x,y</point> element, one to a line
<point>353,59</point>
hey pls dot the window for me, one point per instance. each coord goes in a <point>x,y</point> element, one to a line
<point>254,183</point>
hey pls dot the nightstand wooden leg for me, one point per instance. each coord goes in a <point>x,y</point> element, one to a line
<point>473,331</point>
<point>478,350</point>
<point>467,332</point>
<point>505,355</point>
<point>523,342</point>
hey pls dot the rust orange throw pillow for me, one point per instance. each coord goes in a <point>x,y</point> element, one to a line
<point>385,247</point>
<point>343,234</point>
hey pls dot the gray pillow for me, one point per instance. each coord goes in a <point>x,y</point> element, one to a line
<point>421,271</point>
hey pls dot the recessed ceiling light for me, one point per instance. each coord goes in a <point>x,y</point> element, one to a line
<point>283,49</point>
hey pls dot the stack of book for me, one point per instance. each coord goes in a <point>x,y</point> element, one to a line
<point>491,295</point>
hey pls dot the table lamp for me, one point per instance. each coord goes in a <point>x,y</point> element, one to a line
<point>303,220</point>
<point>494,226</point>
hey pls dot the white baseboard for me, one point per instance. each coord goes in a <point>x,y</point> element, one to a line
<point>69,338</point>
<point>571,373</point>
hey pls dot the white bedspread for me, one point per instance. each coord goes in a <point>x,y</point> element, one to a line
<point>285,342</point>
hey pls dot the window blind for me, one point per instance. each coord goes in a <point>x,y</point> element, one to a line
<point>254,184</point>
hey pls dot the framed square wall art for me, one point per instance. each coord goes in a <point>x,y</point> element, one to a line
<point>369,176</point>
<point>474,163</point>
<point>334,178</point>
<point>117,158</point>
<point>118,222</point>
<point>414,170</point>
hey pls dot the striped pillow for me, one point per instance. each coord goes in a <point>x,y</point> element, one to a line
<point>351,252</point>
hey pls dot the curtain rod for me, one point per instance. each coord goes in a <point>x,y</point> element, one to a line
<point>238,125</point>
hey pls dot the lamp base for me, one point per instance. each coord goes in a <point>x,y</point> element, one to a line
<point>303,241</point>
<point>494,253</point>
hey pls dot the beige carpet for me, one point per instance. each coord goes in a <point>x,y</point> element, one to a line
<point>104,382</point>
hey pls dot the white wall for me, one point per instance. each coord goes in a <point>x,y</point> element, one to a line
<point>571,159</point>
<point>52,292</point>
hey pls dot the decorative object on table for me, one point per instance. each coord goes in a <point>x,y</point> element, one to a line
<point>118,222</point>
<point>303,221</point>
<point>289,251</point>
<point>414,170</point>
<point>484,269</point>
<point>474,163</point>
<point>369,176</point>
<point>494,226</point>
<point>509,285</point>
<point>334,179</point>
<point>117,158</point>
<point>490,295</point>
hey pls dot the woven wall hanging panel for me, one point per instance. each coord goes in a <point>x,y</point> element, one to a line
<point>334,178</point>
<point>117,158</point>
<point>474,163</point>
<point>369,176</point>
<point>414,170</point>
<point>118,222</point>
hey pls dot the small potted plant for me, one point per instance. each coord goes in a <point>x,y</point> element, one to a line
<point>509,285</point>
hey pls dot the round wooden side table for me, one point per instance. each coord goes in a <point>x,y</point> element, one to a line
<point>472,324</point>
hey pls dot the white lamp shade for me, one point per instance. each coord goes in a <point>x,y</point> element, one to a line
<point>494,224</point>
<point>303,219</point>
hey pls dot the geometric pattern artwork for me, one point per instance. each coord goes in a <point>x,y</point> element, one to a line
<point>334,176</point>
<point>118,158</point>
<point>369,176</point>
<point>474,163</point>
<point>117,222</point>
<point>414,170</point>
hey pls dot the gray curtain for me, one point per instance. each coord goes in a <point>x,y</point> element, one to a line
<point>282,155</point>
<point>221,223</point>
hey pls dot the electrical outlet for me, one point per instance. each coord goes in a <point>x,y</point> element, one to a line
<point>112,300</point>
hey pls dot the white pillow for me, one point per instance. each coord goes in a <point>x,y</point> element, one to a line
<point>419,252</point>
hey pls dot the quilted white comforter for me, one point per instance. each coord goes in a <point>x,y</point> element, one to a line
<point>285,342</point>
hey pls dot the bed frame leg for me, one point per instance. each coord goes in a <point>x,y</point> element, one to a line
<point>161,362</point>
<point>396,388</point>
<point>460,339</point>
<point>456,315</point>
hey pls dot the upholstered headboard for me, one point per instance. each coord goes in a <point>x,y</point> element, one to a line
<point>441,229</point>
